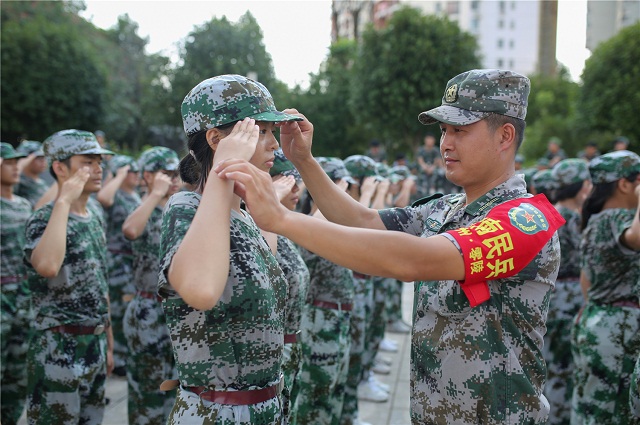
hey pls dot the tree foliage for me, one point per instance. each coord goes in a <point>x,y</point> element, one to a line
<point>610,95</point>
<point>402,70</point>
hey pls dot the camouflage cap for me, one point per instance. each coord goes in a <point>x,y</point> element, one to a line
<point>119,161</point>
<point>402,170</point>
<point>614,166</point>
<point>473,95</point>
<point>158,158</point>
<point>519,158</point>
<point>543,180</point>
<point>8,152</point>
<point>29,147</point>
<point>66,143</point>
<point>281,165</point>
<point>570,171</point>
<point>335,169</point>
<point>227,98</point>
<point>528,173</point>
<point>361,166</point>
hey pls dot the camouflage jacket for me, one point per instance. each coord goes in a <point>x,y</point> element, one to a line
<point>482,364</point>
<point>15,213</point>
<point>612,269</point>
<point>297,275</point>
<point>146,252</point>
<point>30,189</point>
<point>569,236</point>
<point>238,343</point>
<point>329,281</point>
<point>123,205</point>
<point>78,294</point>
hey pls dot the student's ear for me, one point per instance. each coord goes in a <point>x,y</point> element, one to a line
<point>60,169</point>
<point>213,138</point>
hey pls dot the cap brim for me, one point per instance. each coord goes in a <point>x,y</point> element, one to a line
<point>16,156</point>
<point>95,151</point>
<point>275,116</point>
<point>451,115</point>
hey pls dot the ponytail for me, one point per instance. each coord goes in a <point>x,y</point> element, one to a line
<point>595,201</point>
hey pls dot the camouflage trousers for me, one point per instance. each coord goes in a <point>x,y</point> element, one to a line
<point>634,391</point>
<point>360,315</point>
<point>190,409</point>
<point>120,285</point>
<point>566,300</point>
<point>376,323</point>
<point>15,323</point>
<point>606,345</point>
<point>291,363</point>
<point>394,300</point>
<point>325,340</point>
<point>66,378</point>
<point>149,363</point>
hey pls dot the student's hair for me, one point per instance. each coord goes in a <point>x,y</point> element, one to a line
<point>496,120</point>
<point>66,162</point>
<point>568,192</point>
<point>196,164</point>
<point>600,193</point>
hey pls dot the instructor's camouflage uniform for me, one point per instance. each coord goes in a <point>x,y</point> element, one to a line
<point>607,336</point>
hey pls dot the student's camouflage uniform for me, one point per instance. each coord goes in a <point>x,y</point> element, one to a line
<point>150,360</point>
<point>482,364</point>
<point>120,267</point>
<point>67,372</point>
<point>30,189</point>
<point>237,345</point>
<point>297,275</point>
<point>16,318</point>
<point>606,339</point>
<point>634,391</point>
<point>326,342</point>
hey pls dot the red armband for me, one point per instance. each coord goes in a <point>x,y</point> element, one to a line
<point>504,242</point>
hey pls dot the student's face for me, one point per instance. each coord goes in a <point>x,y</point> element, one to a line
<point>267,144</point>
<point>94,163</point>
<point>176,183</point>
<point>38,165</point>
<point>471,154</point>
<point>132,180</point>
<point>10,174</point>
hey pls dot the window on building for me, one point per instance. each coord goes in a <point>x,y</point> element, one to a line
<point>474,24</point>
<point>513,25</point>
<point>513,5</point>
<point>500,62</point>
<point>500,23</point>
<point>500,43</point>
<point>502,6</point>
<point>511,44</point>
<point>511,64</point>
<point>474,5</point>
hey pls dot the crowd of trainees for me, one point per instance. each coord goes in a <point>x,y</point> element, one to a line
<point>220,329</point>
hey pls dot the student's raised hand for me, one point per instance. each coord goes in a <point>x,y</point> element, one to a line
<point>161,184</point>
<point>122,172</point>
<point>240,143</point>
<point>283,185</point>
<point>343,184</point>
<point>296,137</point>
<point>72,188</point>
<point>256,188</point>
<point>369,185</point>
<point>24,162</point>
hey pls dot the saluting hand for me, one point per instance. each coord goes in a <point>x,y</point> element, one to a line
<point>296,137</point>
<point>240,143</point>
<point>72,188</point>
<point>283,185</point>
<point>161,184</point>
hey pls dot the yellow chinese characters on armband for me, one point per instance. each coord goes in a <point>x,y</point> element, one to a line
<point>504,242</point>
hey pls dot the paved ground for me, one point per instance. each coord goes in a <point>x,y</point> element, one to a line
<point>393,412</point>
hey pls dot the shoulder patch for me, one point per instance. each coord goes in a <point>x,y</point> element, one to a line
<point>426,199</point>
<point>528,219</point>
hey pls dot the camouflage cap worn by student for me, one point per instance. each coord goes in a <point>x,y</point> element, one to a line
<point>614,166</point>
<point>335,169</point>
<point>29,147</point>
<point>8,152</point>
<point>227,98</point>
<point>281,165</point>
<point>361,166</point>
<point>473,95</point>
<point>158,158</point>
<point>543,180</point>
<point>119,161</point>
<point>570,171</point>
<point>66,143</point>
<point>402,170</point>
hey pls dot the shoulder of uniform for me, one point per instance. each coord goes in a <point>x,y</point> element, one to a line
<point>427,199</point>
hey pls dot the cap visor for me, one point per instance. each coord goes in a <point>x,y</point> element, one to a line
<point>15,156</point>
<point>275,116</point>
<point>95,151</point>
<point>451,115</point>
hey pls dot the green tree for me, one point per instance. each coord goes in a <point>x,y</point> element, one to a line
<point>610,95</point>
<point>402,70</point>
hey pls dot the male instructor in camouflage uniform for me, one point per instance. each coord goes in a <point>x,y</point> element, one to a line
<point>65,249</point>
<point>476,356</point>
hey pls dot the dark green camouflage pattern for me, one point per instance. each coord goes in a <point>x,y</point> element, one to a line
<point>8,152</point>
<point>30,189</point>
<point>237,345</point>
<point>614,166</point>
<point>227,98</point>
<point>473,95</point>
<point>570,171</point>
<point>281,165</point>
<point>119,161</point>
<point>361,166</point>
<point>66,143</point>
<point>543,180</point>
<point>158,158</point>
<point>482,364</point>
<point>28,147</point>
<point>335,169</point>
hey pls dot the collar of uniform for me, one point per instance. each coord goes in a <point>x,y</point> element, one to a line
<point>514,187</point>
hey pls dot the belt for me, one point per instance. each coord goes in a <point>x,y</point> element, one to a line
<point>79,330</point>
<point>332,306</point>
<point>117,251</point>
<point>360,275</point>
<point>237,398</point>
<point>625,303</point>
<point>150,295</point>
<point>11,279</point>
<point>291,338</point>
